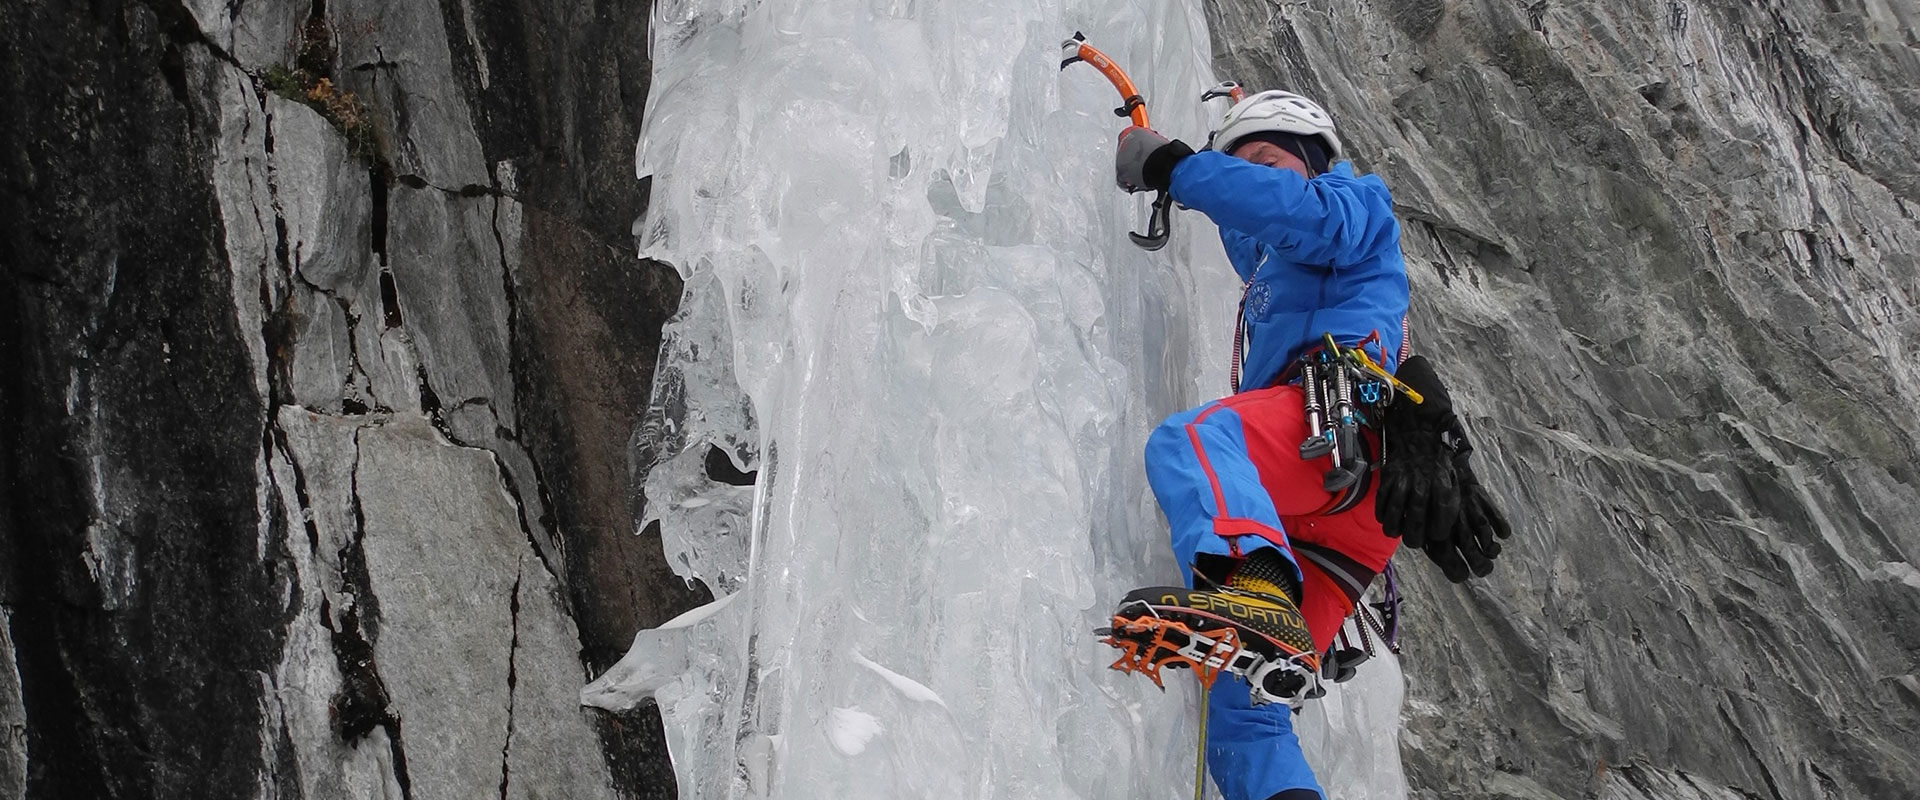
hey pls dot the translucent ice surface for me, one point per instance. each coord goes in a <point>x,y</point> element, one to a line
<point>912,308</point>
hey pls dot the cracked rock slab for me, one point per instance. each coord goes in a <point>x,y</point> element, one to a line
<point>442,544</point>
<point>325,196</point>
<point>475,683</point>
<point>452,289</point>
<point>397,57</point>
<point>550,729</point>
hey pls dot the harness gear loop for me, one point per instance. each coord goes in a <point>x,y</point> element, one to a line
<point>1343,389</point>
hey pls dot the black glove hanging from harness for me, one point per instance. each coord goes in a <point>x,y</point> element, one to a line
<point>1476,536</point>
<point>1419,497</point>
<point>1429,494</point>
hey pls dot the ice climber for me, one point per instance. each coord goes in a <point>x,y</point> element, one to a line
<point>1277,532</point>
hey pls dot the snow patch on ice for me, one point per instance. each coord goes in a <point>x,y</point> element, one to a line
<point>912,689</point>
<point>849,729</point>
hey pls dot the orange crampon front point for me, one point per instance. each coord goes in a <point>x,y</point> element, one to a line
<point>1148,644</point>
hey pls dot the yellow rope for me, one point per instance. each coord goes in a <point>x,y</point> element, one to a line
<point>1200,758</point>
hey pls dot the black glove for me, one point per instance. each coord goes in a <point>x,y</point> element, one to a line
<point>1475,541</point>
<point>1418,499</point>
<point>1145,159</point>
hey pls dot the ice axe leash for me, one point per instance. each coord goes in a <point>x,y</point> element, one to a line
<point>1134,106</point>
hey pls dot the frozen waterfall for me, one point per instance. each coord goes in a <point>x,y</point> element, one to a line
<point>911,306</point>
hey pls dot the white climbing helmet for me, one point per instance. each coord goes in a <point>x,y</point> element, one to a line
<point>1278,112</point>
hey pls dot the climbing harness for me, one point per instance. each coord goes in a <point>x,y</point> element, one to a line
<point>1344,390</point>
<point>1134,106</point>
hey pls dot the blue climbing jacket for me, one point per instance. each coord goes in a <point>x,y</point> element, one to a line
<point>1318,256</point>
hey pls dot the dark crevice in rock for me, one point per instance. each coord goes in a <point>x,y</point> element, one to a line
<point>307,515</point>
<point>278,329</point>
<point>278,324</point>
<point>378,175</point>
<point>541,550</point>
<point>398,748</point>
<point>513,682</point>
<point>548,523</point>
<point>1746,743</point>
<point>390,299</point>
<point>539,532</point>
<point>468,191</point>
<point>379,62</point>
<point>317,51</point>
<point>363,703</point>
<point>350,403</point>
<point>430,406</point>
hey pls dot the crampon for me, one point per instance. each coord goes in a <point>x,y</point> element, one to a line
<point>1152,638</point>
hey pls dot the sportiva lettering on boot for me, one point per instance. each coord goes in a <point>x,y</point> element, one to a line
<point>1275,614</point>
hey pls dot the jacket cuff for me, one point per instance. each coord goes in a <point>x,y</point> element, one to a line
<point>1158,171</point>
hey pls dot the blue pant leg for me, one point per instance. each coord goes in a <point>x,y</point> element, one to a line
<point>1252,751</point>
<point>1193,481</point>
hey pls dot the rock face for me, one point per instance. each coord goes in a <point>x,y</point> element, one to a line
<point>325,344</point>
<point>1666,254</point>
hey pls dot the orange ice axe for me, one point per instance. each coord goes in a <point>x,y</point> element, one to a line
<point>1134,106</point>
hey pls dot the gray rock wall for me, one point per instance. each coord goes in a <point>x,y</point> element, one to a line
<point>1666,253</point>
<point>325,346</point>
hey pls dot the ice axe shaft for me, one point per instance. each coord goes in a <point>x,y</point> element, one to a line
<point>1133,106</point>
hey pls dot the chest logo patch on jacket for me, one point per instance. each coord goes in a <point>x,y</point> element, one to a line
<point>1259,295</point>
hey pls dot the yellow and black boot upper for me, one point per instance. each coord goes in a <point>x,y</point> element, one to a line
<point>1260,602</point>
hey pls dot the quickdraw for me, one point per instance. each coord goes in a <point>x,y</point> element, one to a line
<point>1076,49</point>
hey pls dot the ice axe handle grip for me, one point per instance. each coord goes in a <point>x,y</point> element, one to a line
<point>1158,225</point>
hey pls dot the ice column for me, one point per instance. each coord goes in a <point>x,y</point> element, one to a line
<point>912,307</point>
